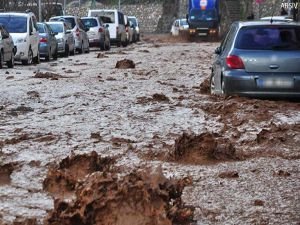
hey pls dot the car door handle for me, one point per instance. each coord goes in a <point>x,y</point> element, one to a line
<point>273,67</point>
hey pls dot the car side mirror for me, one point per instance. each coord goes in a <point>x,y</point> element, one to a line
<point>107,25</point>
<point>218,51</point>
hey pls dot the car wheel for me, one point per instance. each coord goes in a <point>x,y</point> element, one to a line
<point>107,46</point>
<point>55,55</point>
<point>88,48</point>
<point>80,51</point>
<point>11,62</point>
<point>102,45</point>
<point>47,58</point>
<point>1,60</point>
<point>212,84</point>
<point>29,58</point>
<point>124,43</point>
<point>37,59</point>
<point>67,51</point>
<point>73,50</point>
<point>223,88</point>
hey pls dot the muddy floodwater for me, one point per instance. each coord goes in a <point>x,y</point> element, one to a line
<point>132,136</point>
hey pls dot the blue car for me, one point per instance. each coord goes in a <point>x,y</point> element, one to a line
<point>48,43</point>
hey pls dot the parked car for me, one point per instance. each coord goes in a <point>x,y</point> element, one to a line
<point>78,30</point>
<point>48,42</point>
<point>23,30</point>
<point>258,58</point>
<point>7,48</point>
<point>136,25</point>
<point>278,18</point>
<point>178,26</point>
<point>116,24</point>
<point>129,31</point>
<point>98,34</point>
<point>64,37</point>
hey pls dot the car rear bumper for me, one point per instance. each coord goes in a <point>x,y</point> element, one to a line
<point>43,50</point>
<point>278,85</point>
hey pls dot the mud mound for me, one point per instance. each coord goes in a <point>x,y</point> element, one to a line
<point>205,86</point>
<point>101,56</point>
<point>48,75</point>
<point>160,98</point>
<point>140,198</point>
<point>5,172</point>
<point>62,179</point>
<point>125,64</point>
<point>203,148</point>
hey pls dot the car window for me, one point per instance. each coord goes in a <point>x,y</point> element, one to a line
<point>183,22</point>
<point>229,37</point>
<point>41,28</point>
<point>80,24</point>
<point>58,28</point>
<point>34,22</point>
<point>3,32</point>
<point>269,38</point>
<point>106,16</point>
<point>90,22</point>
<point>14,24</point>
<point>70,20</point>
<point>121,18</point>
<point>133,20</point>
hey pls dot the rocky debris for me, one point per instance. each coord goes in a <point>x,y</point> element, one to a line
<point>80,64</point>
<point>258,202</point>
<point>48,75</point>
<point>139,198</point>
<point>21,109</point>
<point>125,64</point>
<point>62,178</point>
<point>39,137</point>
<point>97,136</point>
<point>204,148</point>
<point>281,173</point>
<point>160,98</point>
<point>10,77</point>
<point>28,221</point>
<point>33,94</point>
<point>101,56</point>
<point>229,174</point>
<point>110,78</point>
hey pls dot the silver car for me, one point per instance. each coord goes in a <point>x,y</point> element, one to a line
<point>64,36</point>
<point>258,58</point>
<point>98,32</point>
<point>7,48</point>
<point>78,30</point>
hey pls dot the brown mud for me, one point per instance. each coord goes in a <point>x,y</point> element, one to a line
<point>103,197</point>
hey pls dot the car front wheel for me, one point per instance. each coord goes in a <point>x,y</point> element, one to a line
<point>11,62</point>
<point>29,59</point>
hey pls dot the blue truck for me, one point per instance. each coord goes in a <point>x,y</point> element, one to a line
<point>204,18</point>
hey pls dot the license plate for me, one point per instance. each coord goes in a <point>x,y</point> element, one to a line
<point>275,83</point>
<point>91,33</point>
<point>202,34</point>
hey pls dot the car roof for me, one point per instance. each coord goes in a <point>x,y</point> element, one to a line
<point>17,14</point>
<point>266,22</point>
<point>57,17</point>
<point>90,17</point>
<point>277,18</point>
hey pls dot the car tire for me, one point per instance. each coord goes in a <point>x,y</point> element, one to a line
<point>88,48</point>
<point>29,59</point>
<point>37,59</point>
<point>212,84</point>
<point>11,62</point>
<point>102,45</point>
<point>67,51</point>
<point>55,55</point>
<point>107,47</point>
<point>124,43</point>
<point>223,88</point>
<point>80,51</point>
<point>47,58</point>
<point>73,50</point>
<point>1,59</point>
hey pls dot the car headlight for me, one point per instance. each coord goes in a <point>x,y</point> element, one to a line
<point>20,40</point>
<point>59,40</point>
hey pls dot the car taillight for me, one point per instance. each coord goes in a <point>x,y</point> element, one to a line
<point>77,32</point>
<point>100,30</point>
<point>43,40</point>
<point>234,62</point>
<point>126,29</point>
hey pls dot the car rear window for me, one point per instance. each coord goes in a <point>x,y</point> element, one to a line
<point>41,28</point>
<point>14,24</point>
<point>69,20</point>
<point>269,38</point>
<point>89,22</point>
<point>58,28</point>
<point>108,14</point>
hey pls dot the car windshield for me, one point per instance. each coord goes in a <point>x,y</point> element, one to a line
<point>183,23</point>
<point>57,28</point>
<point>110,15</point>
<point>14,24</point>
<point>269,38</point>
<point>133,21</point>
<point>198,14</point>
<point>70,20</point>
<point>41,28</point>
<point>89,22</point>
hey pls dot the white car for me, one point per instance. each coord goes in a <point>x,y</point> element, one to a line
<point>116,22</point>
<point>7,48</point>
<point>136,25</point>
<point>64,36</point>
<point>179,25</point>
<point>278,18</point>
<point>23,29</point>
<point>98,33</point>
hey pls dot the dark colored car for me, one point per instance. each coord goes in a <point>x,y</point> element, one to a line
<point>48,43</point>
<point>7,48</point>
<point>258,58</point>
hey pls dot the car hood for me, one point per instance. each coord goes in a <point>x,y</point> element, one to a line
<point>16,36</point>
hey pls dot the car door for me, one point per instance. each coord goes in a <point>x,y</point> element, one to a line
<point>33,36</point>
